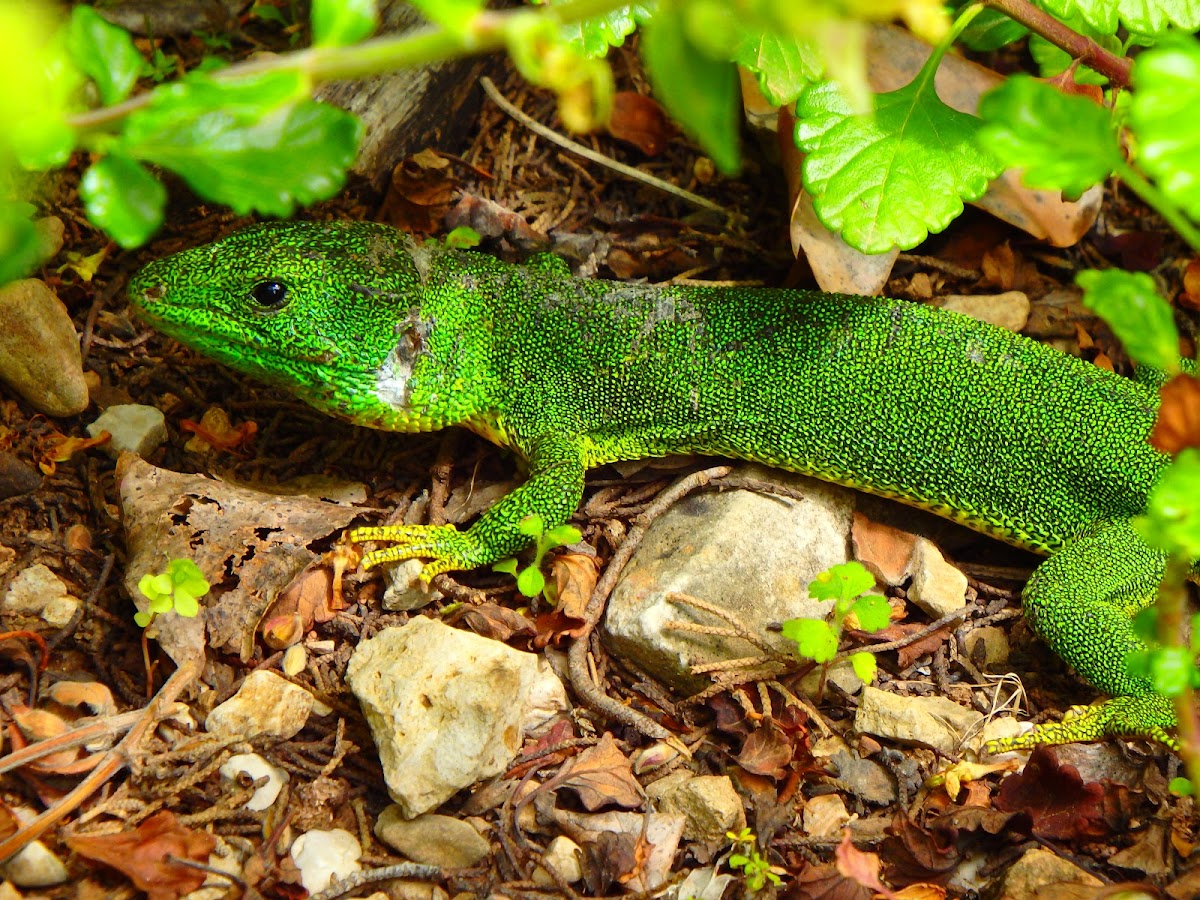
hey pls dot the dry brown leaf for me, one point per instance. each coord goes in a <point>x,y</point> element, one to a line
<point>215,431</point>
<point>1178,424</point>
<point>92,694</point>
<point>766,751</point>
<point>142,855</point>
<point>638,120</point>
<point>39,725</point>
<point>884,550</point>
<point>602,775</point>
<point>574,577</point>
<point>860,867</point>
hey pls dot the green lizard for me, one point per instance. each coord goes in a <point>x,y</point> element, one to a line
<point>934,409</point>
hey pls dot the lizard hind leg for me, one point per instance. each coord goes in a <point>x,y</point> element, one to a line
<point>1081,602</point>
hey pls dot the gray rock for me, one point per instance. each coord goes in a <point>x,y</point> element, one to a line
<point>709,804</point>
<point>134,427</point>
<point>988,646</point>
<point>750,553</point>
<point>933,721</point>
<point>404,591</point>
<point>17,477</point>
<point>39,349</point>
<point>864,778</point>
<point>446,707</point>
<point>264,704</point>
<point>432,840</point>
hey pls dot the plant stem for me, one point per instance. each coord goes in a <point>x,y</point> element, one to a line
<point>487,31</point>
<point>1172,632</point>
<point>1115,68</point>
<point>1154,198</point>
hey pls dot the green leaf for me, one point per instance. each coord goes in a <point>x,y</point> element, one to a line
<point>700,93</point>
<point>562,536</point>
<point>186,575</point>
<point>1194,629</point>
<point>104,52</point>
<point>1053,61</point>
<point>814,639</point>
<point>531,581</point>
<point>845,581</point>
<point>124,199</point>
<point>991,30</point>
<point>1161,114</point>
<point>864,666</point>
<point>251,143</point>
<point>888,180</point>
<point>464,237</point>
<point>872,611</point>
<point>507,566</point>
<point>1138,315</point>
<point>1170,670</point>
<point>186,604</point>
<point>336,23</point>
<point>594,36</point>
<point>784,65</point>
<point>1181,787</point>
<point>1142,16</point>
<point>20,249</point>
<point>143,618</point>
<point>1062,142</point>
<point>533,526</point>
<point>1172,519</point>
<point>453,15</point>
<point>161,604</point>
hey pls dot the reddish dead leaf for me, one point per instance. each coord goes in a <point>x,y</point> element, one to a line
<point>1190,298</point>
<point>601,776</point>
<point>1178,424</point>
<point>766,751</point>
<point>555,627</point>
<point>1140,250</point>
<point>58,448</point>
<point>574,577</point>
<point>216,431</point>
<point>859,866</point>
<point>142,855</point>
<point>910,653</point>
<point>824,883</point>
<point>40,725</point>
<point>421,191</point>
<point>1059,804</point>
<point>921,892</point>
<point>638,120</point>
<point>496,622</point>
<point>918,852</point>
<point>1007,269</point>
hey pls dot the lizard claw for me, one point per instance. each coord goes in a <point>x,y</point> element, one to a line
<point>447,547</point>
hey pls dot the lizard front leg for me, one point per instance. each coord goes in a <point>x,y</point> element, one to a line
<point>552,491</point>
<point>1081,601</point>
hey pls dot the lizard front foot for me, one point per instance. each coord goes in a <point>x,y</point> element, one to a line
<point>447,547</point>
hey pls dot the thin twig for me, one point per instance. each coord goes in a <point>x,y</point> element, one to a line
<point>588,153</point>
<point>1115,68</point>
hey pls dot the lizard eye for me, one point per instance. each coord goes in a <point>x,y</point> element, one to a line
<point>270,294</point>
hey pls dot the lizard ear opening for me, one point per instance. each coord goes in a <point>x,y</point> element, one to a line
<point>270,294</point>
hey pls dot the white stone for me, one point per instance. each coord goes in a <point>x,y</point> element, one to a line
<point>134,427</point>
<point>266,703</point>
<point>709,804</point>
<point>35,866</point>
<point>564,858</point>
<point>255,766</point>
<point>325,856</point>
<point>824,816</point>
<point>37,591</point>
<point>446,707</point>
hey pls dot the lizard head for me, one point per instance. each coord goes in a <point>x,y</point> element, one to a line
<point>333,312</point>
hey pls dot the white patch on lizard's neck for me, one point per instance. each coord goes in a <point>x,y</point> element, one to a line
<point>392,380</point>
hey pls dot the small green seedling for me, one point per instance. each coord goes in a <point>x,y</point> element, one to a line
<point>463,237</point>
<point>175,589</point>
<point>846,585</point>
<point>756,869</point>
<point>530,580</point>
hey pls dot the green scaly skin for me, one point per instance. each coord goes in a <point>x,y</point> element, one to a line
<point>928,407</point>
